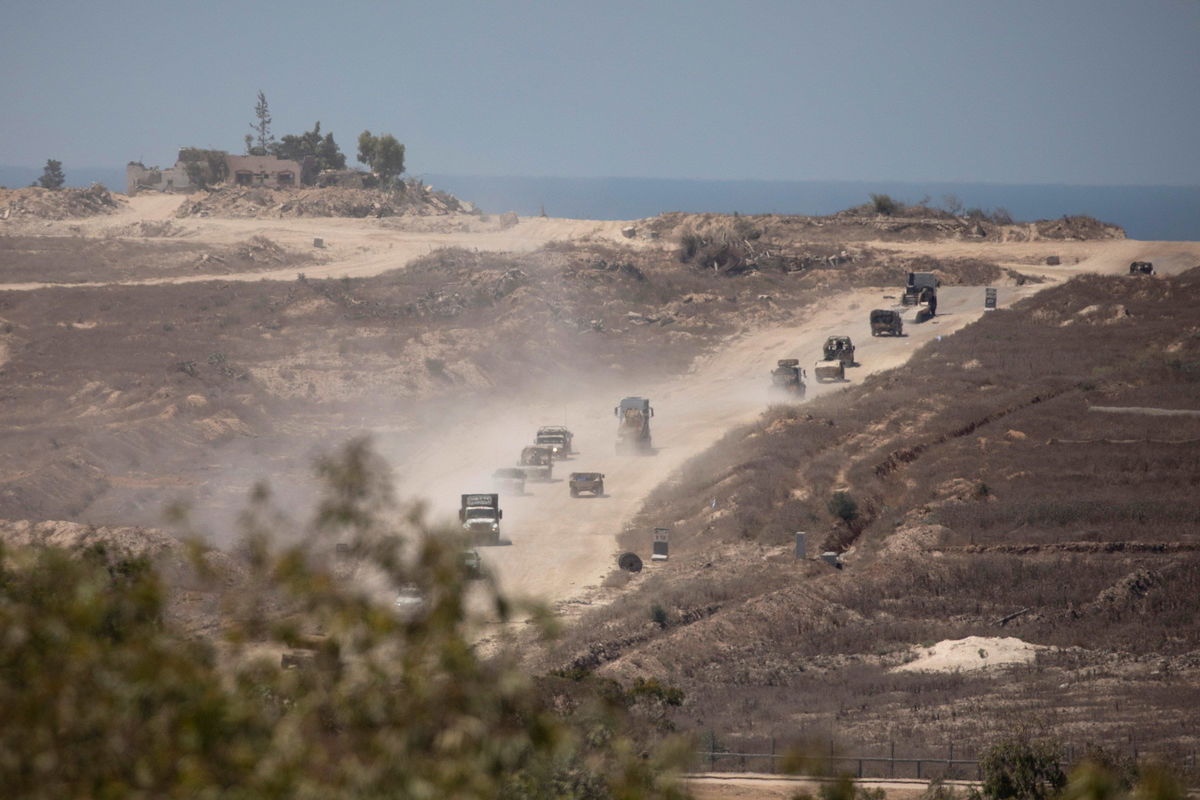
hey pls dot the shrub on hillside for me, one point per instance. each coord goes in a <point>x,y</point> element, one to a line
<point>1021,767</point>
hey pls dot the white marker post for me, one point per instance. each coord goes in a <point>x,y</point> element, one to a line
<point>660,545</point>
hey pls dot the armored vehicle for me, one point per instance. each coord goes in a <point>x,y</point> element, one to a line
<point>480,516</point>
<point>537,461</point>
<point>556,436</point>
<point>885,321</point>
<point>587,482</point>
<point>633,425</point>
<point>832,370</point>
<point>839,348</point>
<point>788,378</point>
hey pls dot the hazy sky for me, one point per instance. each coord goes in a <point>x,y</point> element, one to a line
<point>1020,91</point>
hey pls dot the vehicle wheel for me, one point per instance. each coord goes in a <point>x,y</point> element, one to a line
<point>574,493</point>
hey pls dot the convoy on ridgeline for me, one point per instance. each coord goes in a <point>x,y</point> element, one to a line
<point>480,514</point>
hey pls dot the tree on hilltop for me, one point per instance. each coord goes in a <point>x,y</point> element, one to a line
<point>323,151</point>
<point>261,141</point>
<point>383,154</point>
<point>52,175</point>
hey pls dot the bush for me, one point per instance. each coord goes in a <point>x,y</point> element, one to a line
<point>843,506</point>
<point>1022,768</point>
<point>103,697</point>
<point>884,204</point>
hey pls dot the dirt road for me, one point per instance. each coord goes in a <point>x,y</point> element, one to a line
<point>561,545</point>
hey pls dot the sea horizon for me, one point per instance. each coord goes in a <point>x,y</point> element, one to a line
<point>1147,212</point>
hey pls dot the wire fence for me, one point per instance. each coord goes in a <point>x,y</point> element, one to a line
<point>770,755</point>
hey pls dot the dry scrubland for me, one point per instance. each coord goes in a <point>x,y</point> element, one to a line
<point>120,399</point>
<point>984,486</point>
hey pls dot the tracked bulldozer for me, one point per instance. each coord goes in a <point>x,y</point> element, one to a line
<point>921,291</point>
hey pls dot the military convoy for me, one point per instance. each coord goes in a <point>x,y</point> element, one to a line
<point>633,425</point>
<point>787,379</point>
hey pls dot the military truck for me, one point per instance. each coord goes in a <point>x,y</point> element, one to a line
<point>1141,268</point>
<point>788,378</point>
<point>920,287</point>
<point>556,436</point>
<point>633,425</point>
<point>587,482</point>
<point>886,321</point>
<point>537,461</point>
<point>509,480</point>
<point>831,370</point>
<point>480,516</point>
<point>839,348</point>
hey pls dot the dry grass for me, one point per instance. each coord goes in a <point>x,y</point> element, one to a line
<point>984,487</point>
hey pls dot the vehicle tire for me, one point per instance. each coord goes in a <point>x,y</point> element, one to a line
<point>574,493</point>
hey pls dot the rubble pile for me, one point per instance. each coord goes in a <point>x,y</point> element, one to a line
<point>411,199</point>
<point>40,203</point>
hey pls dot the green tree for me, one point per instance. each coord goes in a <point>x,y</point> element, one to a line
<point>323,151</point>
<point>261,141</point>
<point>204,168</point>
<point>104,697</point>
<point>52,175</point>
<point>383,154</point>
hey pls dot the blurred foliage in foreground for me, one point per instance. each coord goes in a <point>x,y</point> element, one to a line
<point>101,698</point>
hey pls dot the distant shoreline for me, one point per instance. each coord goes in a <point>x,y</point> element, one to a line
<point>1152,213</point>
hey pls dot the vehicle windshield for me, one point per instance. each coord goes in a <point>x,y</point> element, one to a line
<point>480,513</point>
<point>553,438</point>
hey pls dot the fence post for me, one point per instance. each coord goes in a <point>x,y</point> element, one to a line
<point>893,760</point>
<point>918,769</point>
<point>712,750</point>
<point>860,769</point>
<point>772,755</point>
<point>950,763</point>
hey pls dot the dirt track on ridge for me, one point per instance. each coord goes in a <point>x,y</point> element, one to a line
<point>561,546</point>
